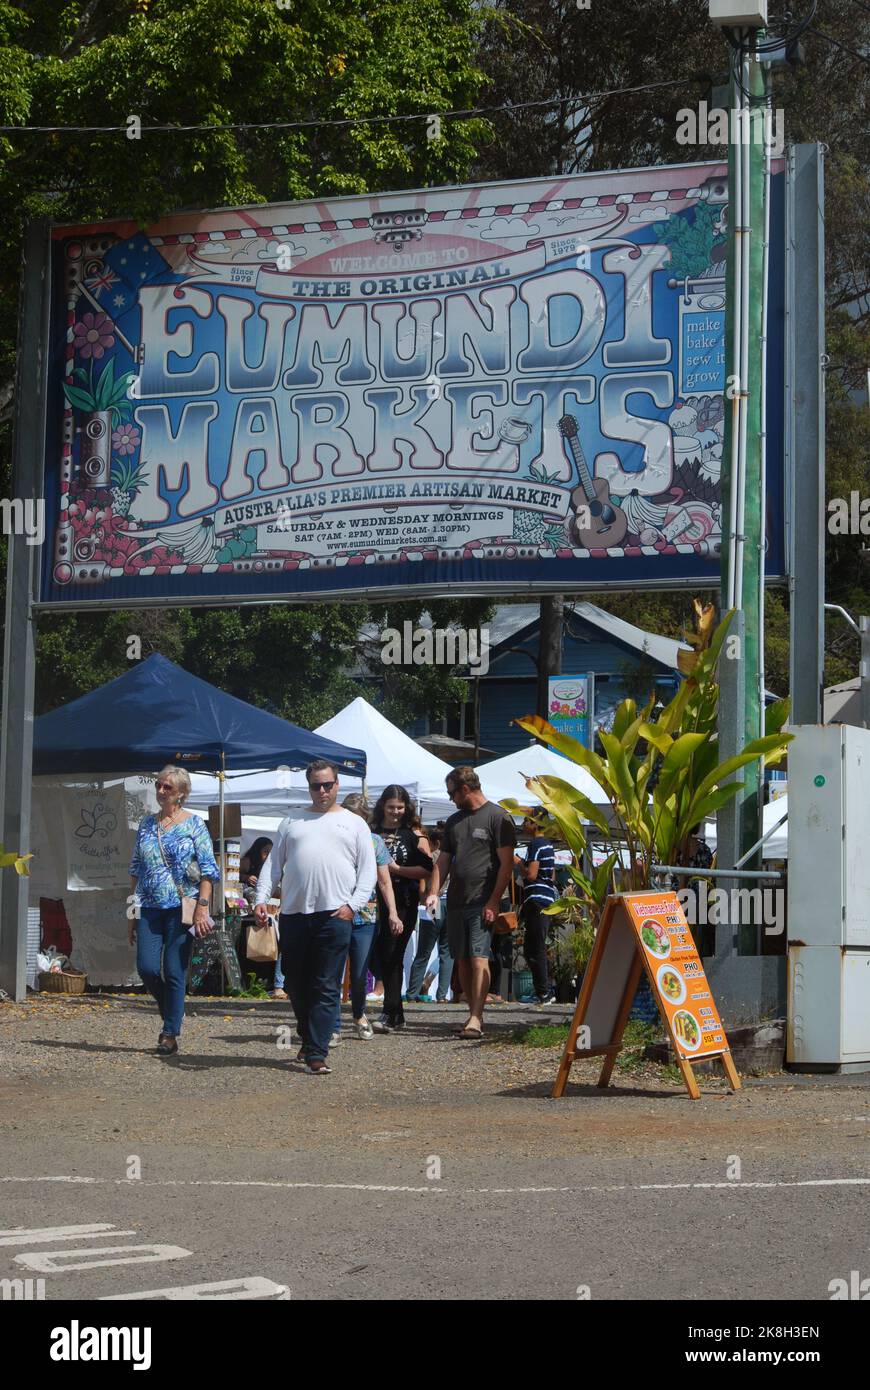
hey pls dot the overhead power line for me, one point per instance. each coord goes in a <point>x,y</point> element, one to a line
<point>820,34</point>
<point>467,114</point>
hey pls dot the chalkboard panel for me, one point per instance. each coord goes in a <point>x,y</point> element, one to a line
<point>208,952</point>
<point>230,960</point>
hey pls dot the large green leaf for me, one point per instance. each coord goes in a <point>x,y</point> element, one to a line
<point>624,717</point>
<point>82,400</point>
<point>562,809</point>
<point>561,905</point>
<point>601,885</point>
<point>776,715</point>
<point>569,747</point>
<point>618,772</point>
<point>657,736</point>
<point>708,805</point>
<point>586,808</point>
<point>105,386</point>
<point>757,749</point>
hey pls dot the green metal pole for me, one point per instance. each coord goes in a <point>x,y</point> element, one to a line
<point>753,528</point>
<point>741,713</point>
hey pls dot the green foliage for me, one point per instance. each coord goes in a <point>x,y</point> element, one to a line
<point>571,951</point>
<point>661,777</point>
<point>254,989</point>
<point>191,62</point>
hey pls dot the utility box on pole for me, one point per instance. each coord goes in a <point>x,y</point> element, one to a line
<point>732,14</point>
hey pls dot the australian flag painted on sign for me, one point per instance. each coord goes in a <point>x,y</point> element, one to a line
<point>128,266</point>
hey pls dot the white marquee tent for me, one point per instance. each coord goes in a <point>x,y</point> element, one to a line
<point>391,757</point>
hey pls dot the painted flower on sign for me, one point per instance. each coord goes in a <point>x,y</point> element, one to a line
<point>93,334</point>
<point>125,439</point>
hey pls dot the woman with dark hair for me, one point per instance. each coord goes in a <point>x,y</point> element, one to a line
<point>252,862</point>
<point>393,819</point>
<point>249,874</point>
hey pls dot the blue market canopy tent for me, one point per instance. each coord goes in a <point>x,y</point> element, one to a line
<point>156,713</point>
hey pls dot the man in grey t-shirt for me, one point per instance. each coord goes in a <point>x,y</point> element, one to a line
<point>477,852</point>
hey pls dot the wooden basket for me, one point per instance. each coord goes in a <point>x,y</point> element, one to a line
<point>61,982</point>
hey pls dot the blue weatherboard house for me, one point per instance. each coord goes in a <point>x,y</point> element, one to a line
<point>623,659</point>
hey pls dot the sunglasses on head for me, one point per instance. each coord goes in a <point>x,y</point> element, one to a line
<point>324,786</point>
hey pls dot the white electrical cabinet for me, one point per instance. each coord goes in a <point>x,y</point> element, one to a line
<point>829,835</point>
<point>749,14</point>
<point>829,897</point>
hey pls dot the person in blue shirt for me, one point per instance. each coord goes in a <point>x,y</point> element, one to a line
<point>538,874</point>
<point>172,859</point>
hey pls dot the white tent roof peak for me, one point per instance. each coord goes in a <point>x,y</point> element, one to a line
<point>392,755</point>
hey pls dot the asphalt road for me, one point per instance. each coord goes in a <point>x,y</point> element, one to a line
<point>422,1168</point>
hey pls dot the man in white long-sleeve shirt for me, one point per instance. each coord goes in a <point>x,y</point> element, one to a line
<point>325,865</point>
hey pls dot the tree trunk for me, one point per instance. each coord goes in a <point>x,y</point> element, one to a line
<point>549,647</point>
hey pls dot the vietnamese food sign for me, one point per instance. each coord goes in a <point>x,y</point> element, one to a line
<point>495,386</point>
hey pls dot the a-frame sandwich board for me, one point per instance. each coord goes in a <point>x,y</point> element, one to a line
<point>637,932</point>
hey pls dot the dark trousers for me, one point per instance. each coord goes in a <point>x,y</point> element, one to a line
<point>500,961</point>
<point>535,946</point>
<point>391,956</point>
<point>314,947</point>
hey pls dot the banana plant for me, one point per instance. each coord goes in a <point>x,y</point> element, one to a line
<point>660,776</point>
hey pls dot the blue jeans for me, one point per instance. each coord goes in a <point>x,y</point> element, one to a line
<point>278,982</point>
<point>163,939</point>
<point>429,933</point>
<point>314,947</point>
<point>361,939</point>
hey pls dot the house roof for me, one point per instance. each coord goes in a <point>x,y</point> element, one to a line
<point>510,620</point>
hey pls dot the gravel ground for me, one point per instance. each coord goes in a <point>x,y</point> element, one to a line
<point>325,1186</point>
<point>93,1059</point>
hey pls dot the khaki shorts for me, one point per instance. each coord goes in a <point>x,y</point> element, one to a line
<point>467,933</point>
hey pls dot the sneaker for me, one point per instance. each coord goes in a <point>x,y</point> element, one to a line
<point>382,1025</point>
<point>549,997</point>
<point>398,1025</point>
<point>364,1030</point>
<point>374,998</point>
<point>334,1041</point>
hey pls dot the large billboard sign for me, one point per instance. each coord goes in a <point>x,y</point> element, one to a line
<point>493,386</point>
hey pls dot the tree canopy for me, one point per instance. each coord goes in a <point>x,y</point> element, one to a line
<point>250,66</point>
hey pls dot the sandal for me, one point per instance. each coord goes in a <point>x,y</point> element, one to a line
<point>471,1033</point>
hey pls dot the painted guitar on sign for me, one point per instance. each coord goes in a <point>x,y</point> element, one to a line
<point>609,522</point>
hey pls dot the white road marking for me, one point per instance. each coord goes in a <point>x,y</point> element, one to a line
<point>449,1191</point>
<point>253,1287</point>
<point>57,1261</point>
<point>18,1235</point>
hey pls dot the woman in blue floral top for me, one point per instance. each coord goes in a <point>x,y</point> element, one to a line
<point>172,858</point>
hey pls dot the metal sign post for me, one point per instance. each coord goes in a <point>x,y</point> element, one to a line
<point>19,654</point>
